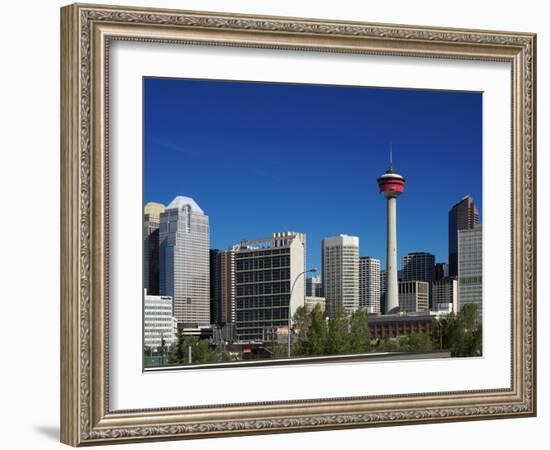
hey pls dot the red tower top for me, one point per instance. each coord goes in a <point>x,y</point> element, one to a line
<point>391,184</point>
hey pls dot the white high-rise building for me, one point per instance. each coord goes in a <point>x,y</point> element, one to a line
<point>340,256</point>
<point>159,322</point>
<point>184,260</point>
<point>369,284</point>
<point>470,267</point>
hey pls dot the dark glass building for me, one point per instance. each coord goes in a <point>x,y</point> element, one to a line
<point>151,223</point>
<point>462,216</point>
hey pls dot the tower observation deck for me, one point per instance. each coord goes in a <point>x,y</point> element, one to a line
<point>391,186</point>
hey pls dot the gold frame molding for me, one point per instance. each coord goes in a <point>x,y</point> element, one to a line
<point>86,31</point>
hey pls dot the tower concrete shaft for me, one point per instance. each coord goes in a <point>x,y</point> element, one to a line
<point>391,186</point>
<point>392,293</point>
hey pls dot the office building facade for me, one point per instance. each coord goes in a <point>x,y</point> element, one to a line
<point>462,216</point>
<point>222,286</point>
<point>314,286</point>
<point>441,271</point>
<point>215,287</point>
<point>311,302</point>
<point>185,261</point>
<point>445,295</point>
<point>151,223</point>
<point>265,270</point>
<point>159,323</point>
<point>470,267</point>
<point>383,279</point>
<point>227,269</point>
<point>418,266</point>
<point>340,258</point>
<point>414,296</point>
<point>369,284</point>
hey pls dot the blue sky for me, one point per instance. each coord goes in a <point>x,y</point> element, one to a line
<point>266,157</point>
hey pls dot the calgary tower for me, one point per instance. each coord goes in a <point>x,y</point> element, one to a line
<point>391,186</point>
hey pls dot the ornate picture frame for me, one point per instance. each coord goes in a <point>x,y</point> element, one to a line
<point>86,34</point>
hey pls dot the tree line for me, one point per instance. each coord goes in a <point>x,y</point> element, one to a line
<point>313,334</point>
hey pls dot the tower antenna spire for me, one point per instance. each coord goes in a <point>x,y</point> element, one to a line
<point>391,186</point>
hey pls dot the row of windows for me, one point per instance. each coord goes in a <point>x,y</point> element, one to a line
<point>282,261</point>
<point>262,315</point>
<point>263,253</point>
<point>262,302</point>
<point>263,289</point>
<point>470,280</point>
<point>263,275</point>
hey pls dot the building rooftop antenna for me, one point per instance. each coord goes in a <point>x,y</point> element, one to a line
<point>390,169</point>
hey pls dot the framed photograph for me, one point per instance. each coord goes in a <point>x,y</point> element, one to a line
<point>275,224</point>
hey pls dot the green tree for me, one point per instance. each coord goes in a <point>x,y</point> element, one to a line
<point>338,339</point>
<point>177,353</point>
<point>359,332</point>
<point>173,353</point>
<point>200,351</point>
<point>441,330</point>
<point>416,342</point>
<point>470,316</point>
<point>461,333</point>
<point>300,330</point>
<point>318,332</point>
<point>387,344</point>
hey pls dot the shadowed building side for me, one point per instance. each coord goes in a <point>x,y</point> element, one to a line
<point>151,235</point>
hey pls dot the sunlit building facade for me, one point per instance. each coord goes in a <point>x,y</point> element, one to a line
<point>369,284</point>
<point>185,262</point>
<point>340,257</point>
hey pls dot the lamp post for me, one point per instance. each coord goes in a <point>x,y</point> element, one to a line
<point>289,305</point>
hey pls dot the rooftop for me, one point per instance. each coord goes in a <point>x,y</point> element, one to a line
<point>180,201</point>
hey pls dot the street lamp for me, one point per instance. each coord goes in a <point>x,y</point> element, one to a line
<point>289,304</point>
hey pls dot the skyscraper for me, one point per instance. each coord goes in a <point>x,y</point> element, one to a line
<point>418,266</point>
<point>265,270</point>
<point>314,287</point>
<point>369,284</point>
<point>227,269</point>
<point>391,186</point>
<point>445,294</point>
<point>441,271</point>
<point>222,286</point>
<point>462,216</point>
<point>470,267</point>
<point>340,258</point>
<point>215,287</point>
<point>382,290</point>
<point>184,260</point>
<point>413,296</point>
<point>151,222</point>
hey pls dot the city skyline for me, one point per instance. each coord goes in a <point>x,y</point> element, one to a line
<point>274,181</point>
